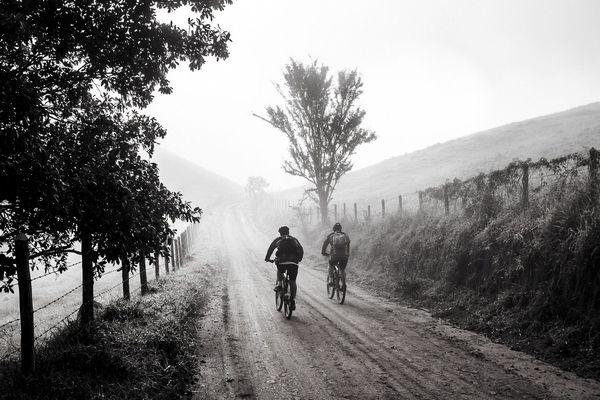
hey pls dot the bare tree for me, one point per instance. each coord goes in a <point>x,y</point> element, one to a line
<point>323,125</point>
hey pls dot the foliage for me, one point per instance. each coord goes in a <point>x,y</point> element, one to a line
<point>69,141</point>
<point>323,125</point>
<point>519,274</point>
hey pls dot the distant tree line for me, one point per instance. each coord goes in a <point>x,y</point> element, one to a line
<point>74,147</point>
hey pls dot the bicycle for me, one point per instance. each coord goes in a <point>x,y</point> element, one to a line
<point>282,297</point>
<point>333,285</point>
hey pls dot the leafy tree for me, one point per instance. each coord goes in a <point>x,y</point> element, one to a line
<point>256,186</point>
<point>323,125</point>
<point>53,56</point>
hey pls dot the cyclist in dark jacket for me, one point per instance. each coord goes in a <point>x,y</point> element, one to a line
<point>289,253</point>
<point>339,253</point>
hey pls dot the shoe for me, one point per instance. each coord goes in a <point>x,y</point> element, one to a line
<point>277,288</point>
<point>292,305</point>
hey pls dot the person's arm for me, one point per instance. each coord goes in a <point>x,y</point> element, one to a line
<point>271,249</point>
<point>300,251</point>
<point>325,244</point>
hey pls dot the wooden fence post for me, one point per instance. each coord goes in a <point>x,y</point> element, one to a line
<point>382,208</point>
<point>156,265</point>
<point>400,204</point>
<point>344,217</point>
<point>525,181</point>
<point>369,213</point>
<point>173,255</point>
<point>25,303</point>
<point>335,212</point>
<point>593,169</point>
<point>125,276</point>
<point>420,201</point>
<point>355,213</point>
<point>143,278</point>
<point>446,200</point>
<point>181,252</point>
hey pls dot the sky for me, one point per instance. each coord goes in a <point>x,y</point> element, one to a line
<point>433,70</point>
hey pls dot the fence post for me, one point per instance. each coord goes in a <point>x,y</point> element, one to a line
<point>355,213</point>
<point>400,204</point>
<point>156,265</point>
<point>143,279</point>
<point>593,168</point>
<point>382,208</point>
<point>420,201</point>
<point>446,200</point>
<point>525,181</point>
<point>87,277</point>
<point>318,214</point>
<point>335,212</point>
<point>181,252</point>
<point>173,255</point>
<point>369,213</point>
<point>125,277</point>
<point>25,303</point>
<point>167,257</point>
<point>344,217</point>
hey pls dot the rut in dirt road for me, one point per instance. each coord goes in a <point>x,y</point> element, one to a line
<point>368,348</point>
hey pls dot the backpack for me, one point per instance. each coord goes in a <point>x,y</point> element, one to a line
<point>287,249</point>
<point>339,243</point>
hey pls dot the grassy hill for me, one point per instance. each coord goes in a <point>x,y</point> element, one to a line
<point>547,136</point>
<point>201,187</point>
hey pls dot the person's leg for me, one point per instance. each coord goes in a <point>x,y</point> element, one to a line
<point>293,273</point>
<point>342,264</point>
<point>330,271</point>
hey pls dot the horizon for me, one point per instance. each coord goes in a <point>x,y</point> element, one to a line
<point>300,184</point>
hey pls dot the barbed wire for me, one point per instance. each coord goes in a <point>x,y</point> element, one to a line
<point>54,272</point>
<point>78,308</point>
<point>10,322</point>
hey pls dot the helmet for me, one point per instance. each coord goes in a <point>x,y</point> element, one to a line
<point>337,227</point>
<point>284,230</point>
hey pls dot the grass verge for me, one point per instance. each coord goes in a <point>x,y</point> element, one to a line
<point>141,349</point>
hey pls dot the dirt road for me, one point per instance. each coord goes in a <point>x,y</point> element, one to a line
<point>368,348</point>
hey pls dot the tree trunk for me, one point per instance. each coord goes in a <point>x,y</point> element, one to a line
<point>87,267</point>
<point>323,206</point>
<point>143,279</point>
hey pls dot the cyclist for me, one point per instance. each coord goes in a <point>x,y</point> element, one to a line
<point>340,251</point>
<point>289,253</point>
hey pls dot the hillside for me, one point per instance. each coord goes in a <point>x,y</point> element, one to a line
<point>547,136</point>
<point>201,187</point>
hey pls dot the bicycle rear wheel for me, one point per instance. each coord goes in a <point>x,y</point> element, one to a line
<point>279,300</point>
<point>330,288</point>
<point>287,310</point>
<point>341,290</point>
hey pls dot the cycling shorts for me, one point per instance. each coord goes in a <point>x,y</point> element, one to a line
<point>292,270</point>
<point>340,261</point>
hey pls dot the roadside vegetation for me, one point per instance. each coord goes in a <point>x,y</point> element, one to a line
<point>521,270</point>
<point>139,349</point>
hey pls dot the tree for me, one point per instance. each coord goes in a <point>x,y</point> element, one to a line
<point>58,58</point>
<point>256,186</point>
<point>322,123</point>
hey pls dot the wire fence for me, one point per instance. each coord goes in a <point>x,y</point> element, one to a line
<point>179,249</point>
<point>517,185</point>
